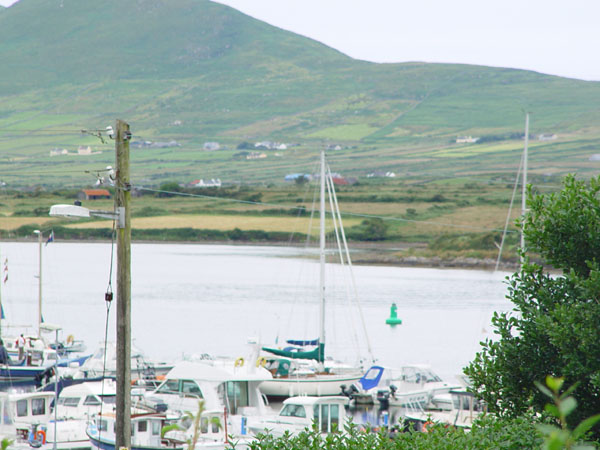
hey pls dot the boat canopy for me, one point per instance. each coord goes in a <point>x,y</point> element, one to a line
<point>318,354</point>
<point>303,343</point>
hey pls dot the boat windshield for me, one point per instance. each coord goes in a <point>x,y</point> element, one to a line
<point>292,410</point>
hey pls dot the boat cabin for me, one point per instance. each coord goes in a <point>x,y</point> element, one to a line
<point>328,414</point>
<point>85,399</point>
<point>21,411</point>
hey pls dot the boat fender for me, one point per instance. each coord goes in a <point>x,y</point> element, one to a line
<point>239,362</point>
<point>38,439</point>
<point>427,426</point>
<point>261,362</point>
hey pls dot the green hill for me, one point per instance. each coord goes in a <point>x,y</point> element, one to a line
<point>193,71</point>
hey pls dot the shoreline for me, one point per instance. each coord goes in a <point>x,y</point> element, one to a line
<point>363,253</point>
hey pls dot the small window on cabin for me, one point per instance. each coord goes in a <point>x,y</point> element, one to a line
<point>91,400</point>
<point>204,425</point>
<point>103,425</point>
<point>155,428</point>
<point>6,417</point>
<point>335,418</point>
<point>215,425</point>
<point>143,426</point>
<point>108,399</point>
<point>324,418</point>
<point>169,387</point>
<point>22,408</point>
<point>38,406</point>
<point>190,387</point>
<point>69,401</point>
<point>291,410</point>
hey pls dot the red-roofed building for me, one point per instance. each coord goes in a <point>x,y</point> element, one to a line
<point>93,194</point>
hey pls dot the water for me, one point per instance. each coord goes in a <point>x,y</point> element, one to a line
<point>194,299</point>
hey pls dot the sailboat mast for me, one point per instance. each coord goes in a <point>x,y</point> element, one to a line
<point>40,237</point>
<point>524,193</point>
<point>322,254</point>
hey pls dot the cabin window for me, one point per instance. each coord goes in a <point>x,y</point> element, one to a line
<point>102,425</point>
<point>335,418</point>
<point>91,400</point>
<point>321,413</point>
<point>215,425</point>
<point>38,406</point>
<point>142,426</point>
<point>108,399</point>
<point>169,387</point>
<point>237,395</point>
<point>291,410</point>
<point>155,428</point>
<point>22,408</point>
<point>69,401</point>
<point>190,387</point>
<point>204,425</point>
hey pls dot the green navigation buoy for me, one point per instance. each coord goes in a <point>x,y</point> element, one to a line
<point>393,319</point>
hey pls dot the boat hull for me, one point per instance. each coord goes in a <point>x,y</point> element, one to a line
<point>317,386</point>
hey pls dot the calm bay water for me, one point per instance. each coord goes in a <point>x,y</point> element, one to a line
<point>193,299</point>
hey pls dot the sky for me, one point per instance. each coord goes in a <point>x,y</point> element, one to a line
<point>558,37</point>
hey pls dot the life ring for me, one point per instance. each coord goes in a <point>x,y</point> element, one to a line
<point>70,339</point>
<point>261,362</point>
<point>239,362</point>
<point>38,439</point>
<point>427,426</point>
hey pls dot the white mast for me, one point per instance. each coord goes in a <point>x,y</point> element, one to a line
<point>524,193</point>
<point>322,255</point>
<point>40,237</point>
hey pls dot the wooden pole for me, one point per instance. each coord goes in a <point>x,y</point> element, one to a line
<point>122,199</point>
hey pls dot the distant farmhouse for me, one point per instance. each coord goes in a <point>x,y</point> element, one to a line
<point>211,146</point>
<point>268,145</point>
<point>59,152</point>
<point>294,176</point>
<point>93,194</point>
<point>466,140</point>
<point>256,155</point>
<point>547,137</point>
<point>150,144</point>
<point>381,174</point>
<point>214,182</point>
<point>333,147</point>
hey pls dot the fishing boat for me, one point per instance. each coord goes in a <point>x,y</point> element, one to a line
<point>299,414</point>
<point>146,432</point>
<point>301,366</point>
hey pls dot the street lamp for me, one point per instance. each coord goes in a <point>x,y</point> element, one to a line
<point>121,216</point>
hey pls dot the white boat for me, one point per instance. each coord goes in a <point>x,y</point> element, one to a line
<point>412,386</point>
<point>222,385</point>
<point>25,417</point>
<point>319,378</point>
<point>146,428</point>
<point>77,405</point>
<point>464,410</point>
<point>299,414</point>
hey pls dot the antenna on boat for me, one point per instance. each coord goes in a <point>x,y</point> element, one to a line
<point>322,254</point>
<point>524,192</point>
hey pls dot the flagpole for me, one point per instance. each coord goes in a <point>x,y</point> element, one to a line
<point>40,236</point>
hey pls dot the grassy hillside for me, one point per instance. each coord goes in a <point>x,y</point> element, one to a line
<point>195,71</point>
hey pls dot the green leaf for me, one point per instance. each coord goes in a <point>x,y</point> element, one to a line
<point>567,406</point>
<point>584,426</point>
<point>554,383</point>
<point>552,409</point>
<point>543,389</point>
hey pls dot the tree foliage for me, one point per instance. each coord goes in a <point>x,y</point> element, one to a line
<point>553,328</point>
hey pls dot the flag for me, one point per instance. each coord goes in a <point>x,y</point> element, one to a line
<point>5,278</point>
<point>5,270</point>
<point>2,316</point>
<point>50,237</point>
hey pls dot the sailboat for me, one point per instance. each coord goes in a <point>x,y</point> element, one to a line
<point>300,368</point>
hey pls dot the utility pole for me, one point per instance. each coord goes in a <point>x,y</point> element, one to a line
<point>122,199</point>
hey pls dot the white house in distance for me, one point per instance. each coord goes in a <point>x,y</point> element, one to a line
<point>466,140</point>
<point>213,182</point>
<point>59,152</point>
<point>547,137</point>
<point>211,146</point>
